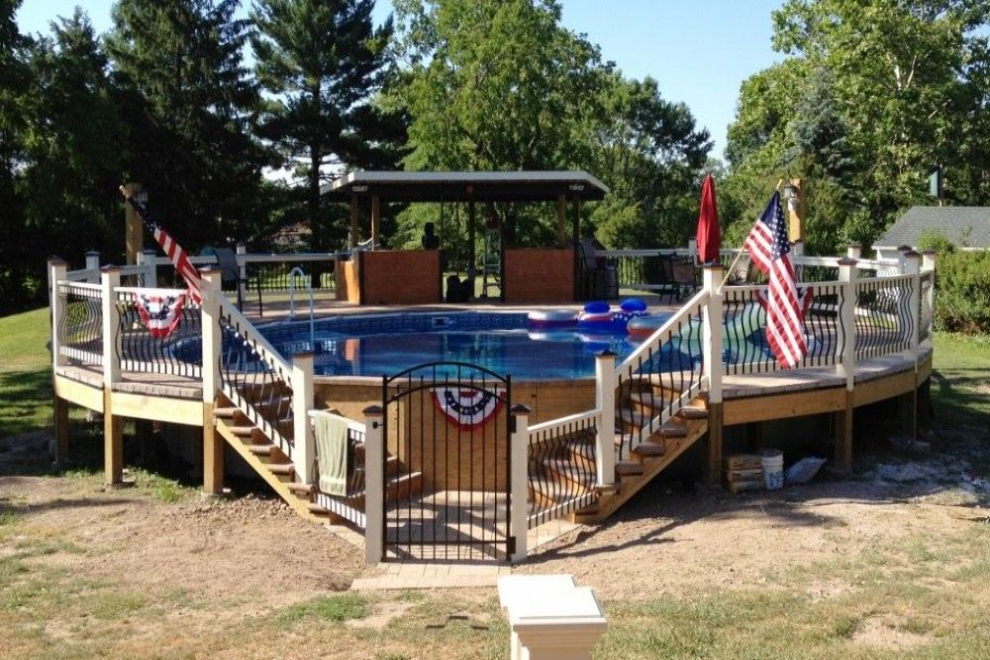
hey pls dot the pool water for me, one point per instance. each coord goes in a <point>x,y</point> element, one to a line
<point>386,344</point>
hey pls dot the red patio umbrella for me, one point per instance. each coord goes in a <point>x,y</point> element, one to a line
<point>709,236</point>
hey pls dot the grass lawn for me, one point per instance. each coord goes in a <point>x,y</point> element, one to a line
<point>152,572</point>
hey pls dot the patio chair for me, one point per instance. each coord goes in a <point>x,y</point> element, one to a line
<point>684,278</point>
<point>230,274</point>
<point>597,278</point>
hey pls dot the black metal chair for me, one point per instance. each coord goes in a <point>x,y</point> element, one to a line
<point>230,274</point>
<point>598,279</point>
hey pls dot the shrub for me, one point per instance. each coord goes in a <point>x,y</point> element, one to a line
<point>962,292</point>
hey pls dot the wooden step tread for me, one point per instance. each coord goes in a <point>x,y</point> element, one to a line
<point>628,469</point>
<point>243,431</point>
<point>649,449</point>
<point>693,412</point>
<point>225,412</point>
<point>301,488</point>
<point>261,449</point>
<point>281,468</point>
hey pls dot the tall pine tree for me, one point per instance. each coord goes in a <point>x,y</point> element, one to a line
<point>14,78</point>
<point>322,64</point>
<point>74,145</point>
<point>189,102</point>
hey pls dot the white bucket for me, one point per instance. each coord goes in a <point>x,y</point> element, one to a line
<point>773,469</point>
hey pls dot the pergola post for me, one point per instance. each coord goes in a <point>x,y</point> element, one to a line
<point>354,237</point>
<point>472,270</point>
<point>376,204</point>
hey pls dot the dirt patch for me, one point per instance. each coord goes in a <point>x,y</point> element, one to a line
<point>707,542</point>
<point>884,633</point>
<point>252,553</point>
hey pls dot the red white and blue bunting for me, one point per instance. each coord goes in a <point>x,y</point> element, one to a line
<point>467,407</point>
<point>160,310</point>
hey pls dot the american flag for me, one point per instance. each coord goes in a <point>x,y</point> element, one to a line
<point>770,250</point>
<point>172,250</point>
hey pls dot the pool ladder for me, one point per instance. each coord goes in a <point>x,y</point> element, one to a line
<point>298,271</point>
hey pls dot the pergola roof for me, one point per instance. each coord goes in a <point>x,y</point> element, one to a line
<point>532,186</point>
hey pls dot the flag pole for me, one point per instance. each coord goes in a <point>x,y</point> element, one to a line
<point>728,271</point>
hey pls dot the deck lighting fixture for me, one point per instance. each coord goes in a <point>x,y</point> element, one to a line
<point>790,193</point>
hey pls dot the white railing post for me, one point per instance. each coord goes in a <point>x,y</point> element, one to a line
<point>110,280</point>
<point>711,348</point>
<point>846,362</point>
<point>712,331</point>
<point>912,267</point>
<point>241,271</point>
<point>854,251</point>
<point>605,383</point>
<point>57,269</point>
<point>519,474</point>
<point>693,250</point>
<point>901,251</point>
<point>304,454</point>
<point>374,486</point>
<point>210,309</point>
<point>93,265</point>
<point>928,266</point>
<point>149,277</point>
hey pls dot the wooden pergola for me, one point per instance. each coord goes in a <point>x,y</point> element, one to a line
<point>562,187</point>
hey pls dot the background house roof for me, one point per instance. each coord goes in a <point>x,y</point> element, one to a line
<point>961,224</point>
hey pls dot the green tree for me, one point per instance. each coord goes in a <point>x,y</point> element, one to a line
<point>650,153</point>
<point>871,95</point>
<point>14,82</point>
<point>322,64</point>
<point>190,103</point>
<point>74,145</point>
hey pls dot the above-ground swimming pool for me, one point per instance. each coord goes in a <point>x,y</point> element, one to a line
<point>503,342</point>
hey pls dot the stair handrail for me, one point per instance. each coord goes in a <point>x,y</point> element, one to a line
<point>656,339</point>
<point>268,352</point>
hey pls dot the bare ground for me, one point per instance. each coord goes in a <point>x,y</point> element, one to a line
<point>121,573</point>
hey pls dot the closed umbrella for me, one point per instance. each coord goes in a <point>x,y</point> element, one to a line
<point>709,237</point>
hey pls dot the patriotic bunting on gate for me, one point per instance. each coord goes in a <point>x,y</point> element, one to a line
<point>770,249</point>
<point>161,311</point>
<point>467,408</point>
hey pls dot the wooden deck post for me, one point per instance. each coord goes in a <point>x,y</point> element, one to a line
<point>113,431</point>
<point>61,422</point>
<point>712,360</point>
<point>213,447</point>
<point>519,501</point>
<point>133,226</point>
<point>846,361</point>
<point>374,486</point>
<point>605,402</point>
<point>304,456</point>
<point>56,273</point>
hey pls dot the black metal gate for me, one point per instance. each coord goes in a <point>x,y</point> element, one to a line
<point>446,463</point>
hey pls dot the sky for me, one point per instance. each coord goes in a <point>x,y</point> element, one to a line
<point>699,51</point>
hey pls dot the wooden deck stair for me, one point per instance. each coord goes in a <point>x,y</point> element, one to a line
<point>278,471</point>
<point>643,463</point>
